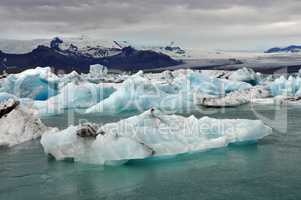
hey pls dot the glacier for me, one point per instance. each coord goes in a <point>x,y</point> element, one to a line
<point>151,134</point>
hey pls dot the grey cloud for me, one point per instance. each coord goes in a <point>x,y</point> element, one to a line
<point>192,22</point>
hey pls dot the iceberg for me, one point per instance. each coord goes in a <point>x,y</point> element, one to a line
<point>286,87</point>
<point>135,94</point>
<point>245,75</point>
<point>150,134</point>
<point>192,80</point>
<point>18,124</point>
<point>236,98</point>
<point>68,78</point>
<point>37,84</point>
<point>98,71</point>
<point>6,96</point>
<point>75,94</point>
<point>138,93</point>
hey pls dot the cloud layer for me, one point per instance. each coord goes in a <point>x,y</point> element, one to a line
<point>205,24</point>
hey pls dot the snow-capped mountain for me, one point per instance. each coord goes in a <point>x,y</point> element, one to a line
<point>82,45</point>
<point>96,48</point>
<point>79,54</point>
<point>289,49</point>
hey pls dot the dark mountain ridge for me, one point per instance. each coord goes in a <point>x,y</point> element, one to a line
<point>66,60</point>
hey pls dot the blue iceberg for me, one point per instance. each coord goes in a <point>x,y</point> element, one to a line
<point>138,93</point>
<point>37,84</point>
<point>150,134</point>
<point>286,87</point>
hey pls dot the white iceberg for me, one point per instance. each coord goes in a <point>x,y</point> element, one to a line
<point>151,134</point>
<point>236,98</point>
<point>37,84</point>
<point>18,124</point>
<point>98,71</point>
<point>245,75</point>
<point>68,78</point>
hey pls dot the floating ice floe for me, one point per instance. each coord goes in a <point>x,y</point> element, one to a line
<point>236,98</point>
<point>37,84</point>
<point>278,100</point>
<point>147,135</point>
<point>18,124</point>
<point>177,93</point>
<point>99,73</point>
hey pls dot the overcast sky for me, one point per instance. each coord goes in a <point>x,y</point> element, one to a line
<point>204,24</point>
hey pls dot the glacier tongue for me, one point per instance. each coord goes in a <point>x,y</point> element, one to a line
<point>151,133</point>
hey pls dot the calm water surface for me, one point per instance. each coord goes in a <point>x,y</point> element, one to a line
<point>270,169</point>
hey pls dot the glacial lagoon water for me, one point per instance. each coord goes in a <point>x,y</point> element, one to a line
<point>269,169</point>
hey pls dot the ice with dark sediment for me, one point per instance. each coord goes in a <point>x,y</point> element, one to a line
<point>18,123</point>
<point>236,98</point>
<point>150,134</point>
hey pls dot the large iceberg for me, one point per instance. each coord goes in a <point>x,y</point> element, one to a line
<point>136,94</point>
<point>150,134</point>
<point>37,84</point>
<point>177,93</point>
<point>75,94</point>
<point>18,124</point>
